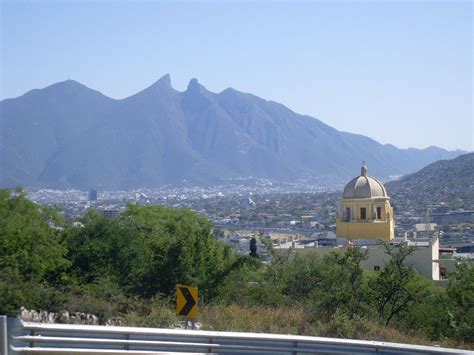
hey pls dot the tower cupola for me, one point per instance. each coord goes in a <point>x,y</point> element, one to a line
<point>365,211</point>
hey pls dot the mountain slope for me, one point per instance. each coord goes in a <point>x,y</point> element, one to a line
<point>40,123</point>
<point>68,135</point>
<point>444,181</point>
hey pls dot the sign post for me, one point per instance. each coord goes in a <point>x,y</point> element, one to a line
<point>187,304</point>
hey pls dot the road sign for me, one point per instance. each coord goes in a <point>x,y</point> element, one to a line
<point>187,301</point>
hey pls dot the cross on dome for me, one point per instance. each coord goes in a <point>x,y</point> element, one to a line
<point>363,169</point>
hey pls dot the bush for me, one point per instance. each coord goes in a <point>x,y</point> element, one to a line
<point>259,319</point>
<point>460,292</point>
<point>31,254</point>
<point>158,312</point>
<point>340,325</point>
<point>16,292</point>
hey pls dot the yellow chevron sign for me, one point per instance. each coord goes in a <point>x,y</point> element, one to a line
<point>187,301</point>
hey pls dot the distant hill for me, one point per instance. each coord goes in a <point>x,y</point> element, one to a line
<point>445,181</point>
<point>67,135</point>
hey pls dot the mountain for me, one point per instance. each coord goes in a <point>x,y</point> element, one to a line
<point>67,135</point>
<point>450,182</point>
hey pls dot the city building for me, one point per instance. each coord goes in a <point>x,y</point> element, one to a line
<point>92,195</point>
<point>110,213</point>
<point>428,259</point>
<point>454,217</point>
<point>365,210</point>
<point>424,229</point>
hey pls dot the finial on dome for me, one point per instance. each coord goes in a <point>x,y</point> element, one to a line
<point>363,169</point>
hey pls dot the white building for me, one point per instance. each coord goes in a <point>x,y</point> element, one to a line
<point>427,259</point>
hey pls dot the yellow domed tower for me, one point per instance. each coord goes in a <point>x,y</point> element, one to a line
<point>365,211</point>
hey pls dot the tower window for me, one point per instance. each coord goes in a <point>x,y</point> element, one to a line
<point>347,214</point>
<point>379,212</point>
<point>363,213</point>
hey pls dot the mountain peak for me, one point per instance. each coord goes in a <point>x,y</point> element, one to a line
<point>194,87</point>
<point>162,85</point>
<point>69,83</point>
<point>64,88</point>
<point>164,81</point>
<point>193,84</point>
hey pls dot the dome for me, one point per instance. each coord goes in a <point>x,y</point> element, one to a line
<point>364,186</point>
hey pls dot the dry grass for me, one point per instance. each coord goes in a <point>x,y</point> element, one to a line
<point>382,333</point>
<point>255,319</point>
<point>293,320</point>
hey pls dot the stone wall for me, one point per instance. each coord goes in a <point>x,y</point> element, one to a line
<point>63,317</point>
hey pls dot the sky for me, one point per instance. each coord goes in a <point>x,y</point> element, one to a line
<point>400,72</point>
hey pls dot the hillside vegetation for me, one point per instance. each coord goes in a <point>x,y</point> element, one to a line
<point>127,269</point>
<point>445,181</point>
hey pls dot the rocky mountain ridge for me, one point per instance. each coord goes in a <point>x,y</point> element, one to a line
<point>67,135</point>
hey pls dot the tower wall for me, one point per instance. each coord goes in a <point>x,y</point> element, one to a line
<point>365,211</point>
<point>370,230</point>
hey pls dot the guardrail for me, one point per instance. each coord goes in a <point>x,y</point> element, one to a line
<point>44,338</point>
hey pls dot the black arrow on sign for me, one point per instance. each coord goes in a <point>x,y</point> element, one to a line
<point>190,302</point>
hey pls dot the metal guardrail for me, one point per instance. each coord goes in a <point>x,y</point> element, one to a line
<point>43,338</point>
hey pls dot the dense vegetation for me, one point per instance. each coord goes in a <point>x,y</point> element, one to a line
<point>127,269</point>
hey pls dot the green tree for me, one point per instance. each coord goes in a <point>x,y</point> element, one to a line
<point>218,233</point>
<point>100,248</point>
<point>246,284</point>
<point>148,250</point>
<point>253,248</point>
<point>430,314</point>
<point>298,276</point>
<point>461,295</point>
<point>31,252</point>
<point>396,287</point>
<point>341,284</point>
<point>174,246</point>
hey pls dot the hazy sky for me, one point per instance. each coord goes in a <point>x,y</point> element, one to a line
<point>400,72</point>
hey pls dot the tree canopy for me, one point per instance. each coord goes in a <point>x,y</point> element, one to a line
<point>32,249</point>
